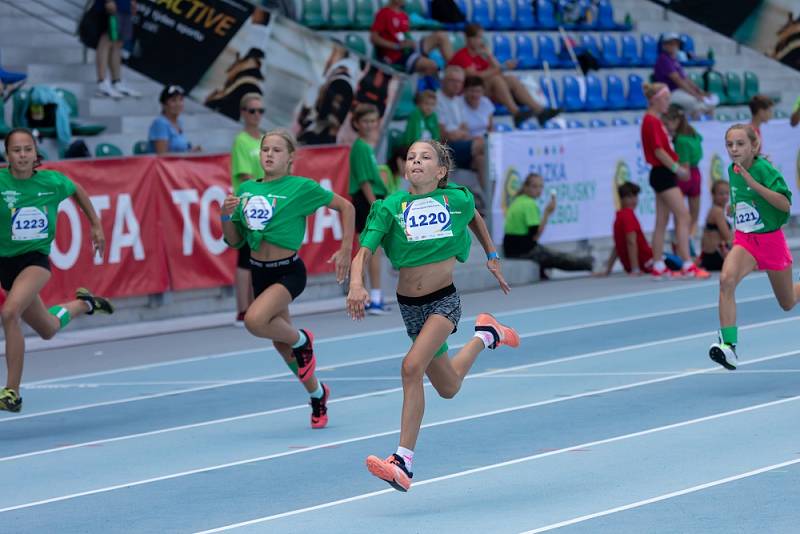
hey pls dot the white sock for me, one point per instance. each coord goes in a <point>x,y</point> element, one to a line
<point>686,265</point>
<point>300,340</point>
<point>407,455</point>
<point>660,265</point>
<point>486,337</point>
<point>376,296</point>
<point>319,392</point>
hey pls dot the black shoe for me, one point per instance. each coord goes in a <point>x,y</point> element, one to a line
<point>96,304</point>
<point>521,116</point>
<point>547,114</point>
<point>10,400</point>
<point>319,409</point>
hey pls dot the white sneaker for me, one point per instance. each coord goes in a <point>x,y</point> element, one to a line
<point>724,354</point>
<point>105,88</point>
<point>125,90</point>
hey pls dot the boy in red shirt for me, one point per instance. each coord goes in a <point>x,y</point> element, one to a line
<point>393,43</point>
<point>630,245</point>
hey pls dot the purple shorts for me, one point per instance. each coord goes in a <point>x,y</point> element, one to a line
<point>691,187</point>
<point>770,249</point>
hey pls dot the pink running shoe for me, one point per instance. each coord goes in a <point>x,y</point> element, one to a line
<point>391,470</point>
<point>306,361</point>
<point>503,335</point>
<point>319,409</point>
<point>696,272</point>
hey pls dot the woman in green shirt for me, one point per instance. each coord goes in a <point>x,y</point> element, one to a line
<point>28,216</point>
<point>424,233</point>
<point>761,202</point>
<point>269,215</point>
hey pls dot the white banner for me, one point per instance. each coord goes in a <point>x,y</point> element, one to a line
<point>585,166</point>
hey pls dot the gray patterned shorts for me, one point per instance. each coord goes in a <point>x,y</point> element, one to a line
<point>416,310</point>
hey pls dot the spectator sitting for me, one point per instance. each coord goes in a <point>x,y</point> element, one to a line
<point>393,43</point>
<point>683,91</point>
<point>422,122</point>
<point>504,89</point>
<point>524,227</point>
<point>166,131</point>
<point>761,112</point>
<point>717,235</point>
<point>630,245</point>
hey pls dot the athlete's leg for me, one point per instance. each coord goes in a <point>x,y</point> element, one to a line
<point>285,350</point>
<point>263,317</point>
<point>786,291</point>
<point>447,374</point>
<point>738,264</point>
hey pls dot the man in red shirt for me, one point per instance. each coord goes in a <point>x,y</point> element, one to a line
<point>393,43</point>
<point>630,245</point>
<point>505,89</point>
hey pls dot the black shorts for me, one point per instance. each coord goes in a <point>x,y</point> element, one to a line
<point>11,266</point>
<point>243,261</point>
<point>362,206</point>
<point>711,261</point>
<point>289,272</point>
<point>661,179</point>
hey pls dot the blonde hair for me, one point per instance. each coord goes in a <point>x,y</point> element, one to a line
<point>652,89</point>
<point>444,156</point>
<point>286,135</point>
<point>750,132</point>
<point>248,97</point>
<point>361,111</point>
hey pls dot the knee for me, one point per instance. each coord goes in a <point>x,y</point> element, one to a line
<point>448,392</point>
<point>787,305</point>
<point>11,314</point>
<point>411,371</point>
<point>727,282</point>
<point>47,334</point>
<point>252,322</point>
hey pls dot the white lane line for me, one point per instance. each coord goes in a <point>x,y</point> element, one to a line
<point>546,307</point>
<point>515,461</point>
<point>665,496</point>
<point>428,425</point>
<point>485,374</point>
<point>361,362</point>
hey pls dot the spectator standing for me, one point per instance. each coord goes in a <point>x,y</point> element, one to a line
<point>689,148</point>
<point>166,130</point>
<point>117,27</point>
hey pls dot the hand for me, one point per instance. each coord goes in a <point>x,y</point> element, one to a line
<point>357,299</point>
<point>494,268</point>
<point>98,239</point>
<point>408,43</point>
<point>341,258</point>
<point>111,7</point>
<point>551,206</point>
<point>230,204</point>
<point>744,172</point>
<point>682,173</point>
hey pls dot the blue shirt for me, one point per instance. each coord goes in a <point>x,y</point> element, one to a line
<point>163,130</point>
<point>123,6</point>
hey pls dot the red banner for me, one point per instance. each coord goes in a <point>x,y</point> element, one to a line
<point>161,221</point>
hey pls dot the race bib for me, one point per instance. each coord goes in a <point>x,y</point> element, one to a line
<point>747,218</point>
<point>427,218</point>
<point>28,224</point>
<point>257,212</point>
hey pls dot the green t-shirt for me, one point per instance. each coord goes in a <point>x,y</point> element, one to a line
<point>29,210</point>
<point>364,168</point>
<point>418,230</point>
<point>689,149</point>
<point>245,159</point>
<point>419,127</point>
<point>275,211</point>
<point>521,215</point>
<point>752,213</point>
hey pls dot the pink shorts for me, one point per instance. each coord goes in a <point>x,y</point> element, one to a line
<point>691,187</point>
<point>770,250</point>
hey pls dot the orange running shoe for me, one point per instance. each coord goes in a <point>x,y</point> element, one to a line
<point>503,335</point>
<point>693,271</point>
<point>306,361</point>
<point>319,409</point>
<point>392,470</point>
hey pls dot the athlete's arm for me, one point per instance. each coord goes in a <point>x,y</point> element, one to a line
<point>229,229</point>
<point>718,216</point>
<point>341,258</point>
<point>98,239</point>
<point>478,227</point>
<point>777,200</point>
<point>161,146</point>
<point>612,259</point>
<point>633,251</point>
<point>366,188</point>
<point>358,297</point>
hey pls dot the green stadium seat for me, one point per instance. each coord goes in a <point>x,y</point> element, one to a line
<point>313,14</point>
<point>724,117</point>
<point>356,43</point>
<point>734,89</point>
<point>71,101</point>
<point>106,150</point>
<point>405,102</point>
<point>141,147</point>
<point>780,114</point>
<point>86,129</point>
<point>697,78</point>
<point>743,116</point>
<point>395,138</point>
<point>364,14</point>
<point>716,86</point>
<point>457,40</point>
<point>750,85</point>
<point>339,14</point>
<point>4,128</point>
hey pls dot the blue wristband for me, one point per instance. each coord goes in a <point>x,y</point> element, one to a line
<point>224,218</point>
<point>492,256</point>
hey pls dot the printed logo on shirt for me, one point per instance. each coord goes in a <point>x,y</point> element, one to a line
<point>10,197</point>
<point>257,211</point>
<point>427,218</point>
<point>44,193</point>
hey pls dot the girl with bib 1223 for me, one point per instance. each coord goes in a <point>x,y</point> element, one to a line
<point>761,201</point>
<point>269,215</point>
<point>28,215</point>
<point>424,232</point>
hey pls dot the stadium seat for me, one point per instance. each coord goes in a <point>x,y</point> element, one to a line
<point>735,93</point>
<point>687,45</point>
<point>457,40</point>
<point>594,94</point>
<point>524,16</point>
<point>610,57</point>
<point>339,14</point>
<point>364,14</point>
<point>417,7</point>
<point>502,127</point>
<point>501,47</point>
<point>605,16</point>
<point>503,15</point>
<point>589,43</point>
<point>574,123</point>
<point>724,117</point>
<point>597,123</point>
<point>715,85</point>
<point>70,99</point>
<point>550,89</point>
<point>526,58</point>
<point>649,51</point>
<point>141,147</point>
<point>564,58</point>
<point>750,85</point>
<point>4,128</point>
<point>529,126</point>
<point>636,98</point>
<point>615,92</point>
<point>780,114</point>
<point>501,111</point>
<point>481,14</point>
<point>356,43</point>
<point>545,14</point>
<point>572,94</point>
<point>547,50</point>
<point>619,121</point>
<point>313,14</point>
<point>697,78</point>
<point>105,150</point>
<point>395,138</point>
<point>743,116</point>
<point>405,102</point>
<point>630,52</point>
<point>553,125</point>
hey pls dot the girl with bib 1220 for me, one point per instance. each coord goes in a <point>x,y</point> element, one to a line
<point>28,215</point>
<point>424,232</point>
<point>760,200</point>
<point>269,215</point>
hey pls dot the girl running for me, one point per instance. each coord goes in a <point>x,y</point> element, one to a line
<point>717,234</point>
<point>761,202</point>
<point>689,148</point>
<point>269,215</point>
<point>664,175</point>
<point>424,232</point>
<point>28,216</point>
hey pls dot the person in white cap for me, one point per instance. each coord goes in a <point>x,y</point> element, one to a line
<point>683,90</point>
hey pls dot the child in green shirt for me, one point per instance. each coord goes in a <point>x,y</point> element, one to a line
<point>422,123</point>
<point>689,148</point>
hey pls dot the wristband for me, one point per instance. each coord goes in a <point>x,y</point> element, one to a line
<point>225,218</point>
<point>492,256</point>
<point>674,167</point>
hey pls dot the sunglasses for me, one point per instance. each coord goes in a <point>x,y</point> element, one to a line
<point>253,111</point>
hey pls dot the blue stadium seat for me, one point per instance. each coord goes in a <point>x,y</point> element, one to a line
<point>589,43</point>
<point>547,50</point>
<point>550,89</point>
<point>564,59</point>
<point>615,92</point>
<point>610,56</point>
<point>552,125</point>
<point>526,58</point>
<point>502,127</point>
<point>503,15</point>
<point>597,123</point>
<point>687,45</point>
<point>525,18</point>
<point>619,121</point>
<point>636,98</point>
<point>500,110</point>
<point>594,94</point>
<point>572,94</point>
<point>458,26</point>
<point>501,47</point>
<point>574,123</point>
<point>481,14</point>
<point>649,50</point>
<point>630,52</point>
<point>528,126</point>
<point>546,15</point>
<point>605,16</point>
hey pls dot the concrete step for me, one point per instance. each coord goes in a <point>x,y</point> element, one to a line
<point>74,72</point>
<point>190,123</point>
<point>22,37</point>
<point>17,21</point>
<point>45,53</point>
<point>87,90</point>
